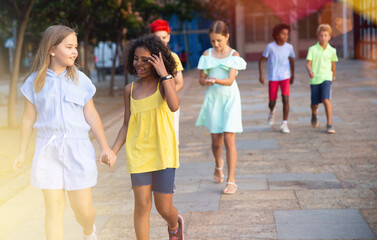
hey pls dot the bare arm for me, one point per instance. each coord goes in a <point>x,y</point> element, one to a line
<point>203,79</point>
<point>170,94</point>
<point>231,76</point>
<point>178,81</point>
<point>227,81</point>
<point>28,119</point>
<point>169,89</point>
<point>292,65</point>
<point>121,138</point>
<point>309,68</point>
<point>95,123</point>
<point>333,69</point>
<point>260,63</point>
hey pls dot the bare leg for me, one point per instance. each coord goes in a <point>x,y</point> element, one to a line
<point>54,205</point>
<point>231,155</point>
<point>328,108</point>
<point>164,206</point>
<point>143,205</point>
<point>314,109</point>
<point>285,107</point>
<point>82,206</point>
<point>217,148</point>
<point>271,105</point>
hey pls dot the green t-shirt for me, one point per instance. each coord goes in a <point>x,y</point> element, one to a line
<point>321,63</point>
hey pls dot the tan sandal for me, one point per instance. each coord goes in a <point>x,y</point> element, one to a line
<point>231,188</point>
<point>218,178</point>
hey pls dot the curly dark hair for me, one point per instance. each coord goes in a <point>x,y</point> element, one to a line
<point>155,46</point>
<point>278,28</point>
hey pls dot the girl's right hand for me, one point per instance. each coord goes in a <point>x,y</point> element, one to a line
<point>18,162</point>
<point>210,81</point>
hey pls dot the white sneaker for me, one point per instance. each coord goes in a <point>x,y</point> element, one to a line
<point>284,128</point>
<point>271,118</point>
<point>92,236</point>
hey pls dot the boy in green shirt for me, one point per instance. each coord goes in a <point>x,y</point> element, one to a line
<point>321,68</point>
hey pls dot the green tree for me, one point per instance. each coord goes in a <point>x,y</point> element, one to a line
<point>20,11</point>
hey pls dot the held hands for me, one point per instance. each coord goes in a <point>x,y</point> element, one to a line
<point>158,64</point>
<point>18,162</point>
<point>107,157</point>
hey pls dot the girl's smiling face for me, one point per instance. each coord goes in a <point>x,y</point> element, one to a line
<point>141,64</point>
<point>66,53</point>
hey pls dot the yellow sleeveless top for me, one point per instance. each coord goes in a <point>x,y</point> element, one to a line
<point>151,144</point>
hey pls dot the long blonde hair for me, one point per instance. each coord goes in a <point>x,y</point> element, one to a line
<point>51,38</point>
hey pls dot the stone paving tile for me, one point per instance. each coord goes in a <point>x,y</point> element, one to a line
<point>197,201</point>
<point>259,128</point>
<point>122,227</point>
<point>305,110</point>
<point>362,89</point>
<point>258,205</point>
<point>322,224</point>
<point>256,217</point>
<point>33,229</point>
<point>374,101</point>
<point>321,119</point>
<point>227,232</point>
<point>246,117</point>
<point>250,93</point>
<point>251,100</point>
<point>300,94</point>
<point>260,195</point>
<point>257,106</point>
<point>258,145</point>
<point>302,181</point>
<point>337,198</point>
<point>259,166</point>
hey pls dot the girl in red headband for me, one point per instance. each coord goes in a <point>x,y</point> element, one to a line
<point>161,29</point>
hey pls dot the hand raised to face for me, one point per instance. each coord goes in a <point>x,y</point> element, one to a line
<point>158,64</point>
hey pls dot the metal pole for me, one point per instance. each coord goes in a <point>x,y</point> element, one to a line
<point>11,59</point>
<point>186,45</point>
<point>345,35</point>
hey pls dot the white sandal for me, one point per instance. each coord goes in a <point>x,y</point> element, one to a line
<point>226,190</point>
<point>218,178</point>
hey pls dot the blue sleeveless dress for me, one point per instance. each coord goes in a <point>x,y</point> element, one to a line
<point>221,109</point>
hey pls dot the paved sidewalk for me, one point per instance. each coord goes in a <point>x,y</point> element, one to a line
<point>303,185</point>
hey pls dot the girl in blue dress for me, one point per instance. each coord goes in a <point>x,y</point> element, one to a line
<point>59,105</point>
<point>221,110</point>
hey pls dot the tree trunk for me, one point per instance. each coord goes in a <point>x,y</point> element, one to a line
<point>12,119</point>
<point>111,92</point>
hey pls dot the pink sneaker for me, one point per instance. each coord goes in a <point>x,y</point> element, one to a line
<point>177,234</point>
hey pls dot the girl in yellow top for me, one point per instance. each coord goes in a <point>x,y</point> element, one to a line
<point>148,131</point>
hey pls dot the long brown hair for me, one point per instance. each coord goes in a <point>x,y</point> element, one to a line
<point>51,38</point>
<point>219,27</point>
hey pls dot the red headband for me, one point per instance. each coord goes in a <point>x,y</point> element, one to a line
<point>159,25</point>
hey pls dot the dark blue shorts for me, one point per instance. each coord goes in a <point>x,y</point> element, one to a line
<point>320,92</point>
<point>162,181</point>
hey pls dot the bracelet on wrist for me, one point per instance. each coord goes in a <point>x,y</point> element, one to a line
<point>166,78</point>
